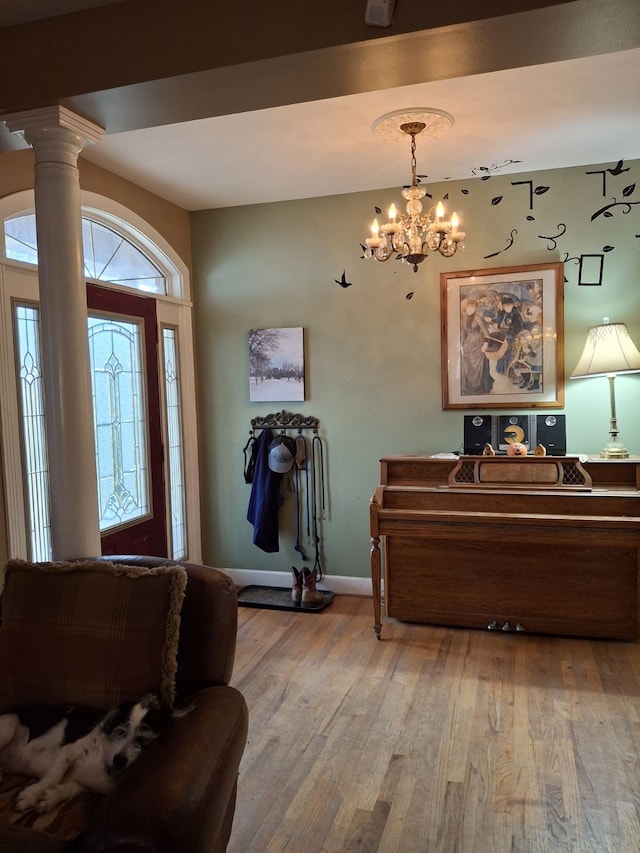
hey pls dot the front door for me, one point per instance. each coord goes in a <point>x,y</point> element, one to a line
<point>123,352</point>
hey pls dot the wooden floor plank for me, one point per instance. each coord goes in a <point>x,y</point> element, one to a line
<point>367,829</point>
<point>433,740</point>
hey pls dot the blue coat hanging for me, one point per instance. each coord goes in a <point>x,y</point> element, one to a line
<point>266,498</point>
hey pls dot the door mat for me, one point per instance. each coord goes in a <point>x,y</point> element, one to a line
<point>279,598</point>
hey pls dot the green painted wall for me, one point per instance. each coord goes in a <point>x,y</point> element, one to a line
<point>373,372</point>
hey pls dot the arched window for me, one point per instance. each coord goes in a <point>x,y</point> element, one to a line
<point>109,256</point>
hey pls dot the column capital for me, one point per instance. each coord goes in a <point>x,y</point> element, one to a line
<point>36,124</point>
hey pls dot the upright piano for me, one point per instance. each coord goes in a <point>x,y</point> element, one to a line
<point>537,544</point>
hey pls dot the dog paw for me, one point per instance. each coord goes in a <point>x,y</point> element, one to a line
<point>28,798</point>
<point>48,800</point>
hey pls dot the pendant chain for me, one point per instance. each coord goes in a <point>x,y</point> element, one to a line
<point>414,180</point>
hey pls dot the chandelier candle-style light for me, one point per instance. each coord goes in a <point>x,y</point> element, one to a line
<point>412,235</point>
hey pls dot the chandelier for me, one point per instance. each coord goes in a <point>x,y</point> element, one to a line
<point>412,235</point>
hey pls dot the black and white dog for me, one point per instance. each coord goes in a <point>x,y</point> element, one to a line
<point>70,749</point>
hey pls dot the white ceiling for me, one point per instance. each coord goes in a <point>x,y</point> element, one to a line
<point>575,112</point>
<point>568,113</point>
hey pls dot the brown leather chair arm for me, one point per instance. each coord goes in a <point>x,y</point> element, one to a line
<point>176,796</point>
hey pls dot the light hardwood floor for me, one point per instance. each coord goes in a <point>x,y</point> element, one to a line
<point>433,739</point>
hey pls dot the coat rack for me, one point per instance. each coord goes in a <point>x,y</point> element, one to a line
<point>307,481</point>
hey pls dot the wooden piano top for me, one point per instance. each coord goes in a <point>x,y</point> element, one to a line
<point>432,471</point>
<point>609,488</point>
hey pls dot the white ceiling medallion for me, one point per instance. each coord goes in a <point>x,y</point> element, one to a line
<point>389,126</point>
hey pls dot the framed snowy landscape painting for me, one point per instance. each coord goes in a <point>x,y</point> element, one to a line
<point>276,365</point>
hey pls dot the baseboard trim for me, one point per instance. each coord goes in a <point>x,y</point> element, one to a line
<point>336,583</point>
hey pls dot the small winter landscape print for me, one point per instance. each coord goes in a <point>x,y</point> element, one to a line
<point>276,365</point>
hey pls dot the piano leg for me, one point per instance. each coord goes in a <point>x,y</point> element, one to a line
<point>375,584</point>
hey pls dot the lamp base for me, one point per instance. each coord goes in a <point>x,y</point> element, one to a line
<point>614,450</point>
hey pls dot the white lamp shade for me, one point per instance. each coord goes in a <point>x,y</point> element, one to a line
<point>609,349</point>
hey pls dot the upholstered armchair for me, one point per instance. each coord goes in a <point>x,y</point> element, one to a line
<point>180,793</point>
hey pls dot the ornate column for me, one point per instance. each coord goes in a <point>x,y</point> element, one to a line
<point>57,136</point>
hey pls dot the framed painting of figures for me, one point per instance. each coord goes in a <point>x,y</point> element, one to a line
<point>502,337</point>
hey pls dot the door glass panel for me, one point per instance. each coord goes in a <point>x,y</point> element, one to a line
<point>34,444</point>
<point>174,435</point>
<point>119,411</point>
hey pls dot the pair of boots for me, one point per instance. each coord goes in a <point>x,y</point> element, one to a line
<point>303,587</point>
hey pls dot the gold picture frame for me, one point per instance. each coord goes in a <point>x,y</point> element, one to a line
<point>502,337</point>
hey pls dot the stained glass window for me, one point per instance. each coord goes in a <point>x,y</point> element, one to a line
<point>115,356</point>
<point>175,441</point>
<point>34,443</point>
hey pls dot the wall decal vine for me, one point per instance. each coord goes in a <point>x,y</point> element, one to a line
<point>553,241</point>
<point>574,259</point>
<point>510,242</point>
<point>487,170</point>
<point>625,205</point>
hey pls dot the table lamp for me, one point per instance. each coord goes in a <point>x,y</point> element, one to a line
<point>608,351</point>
